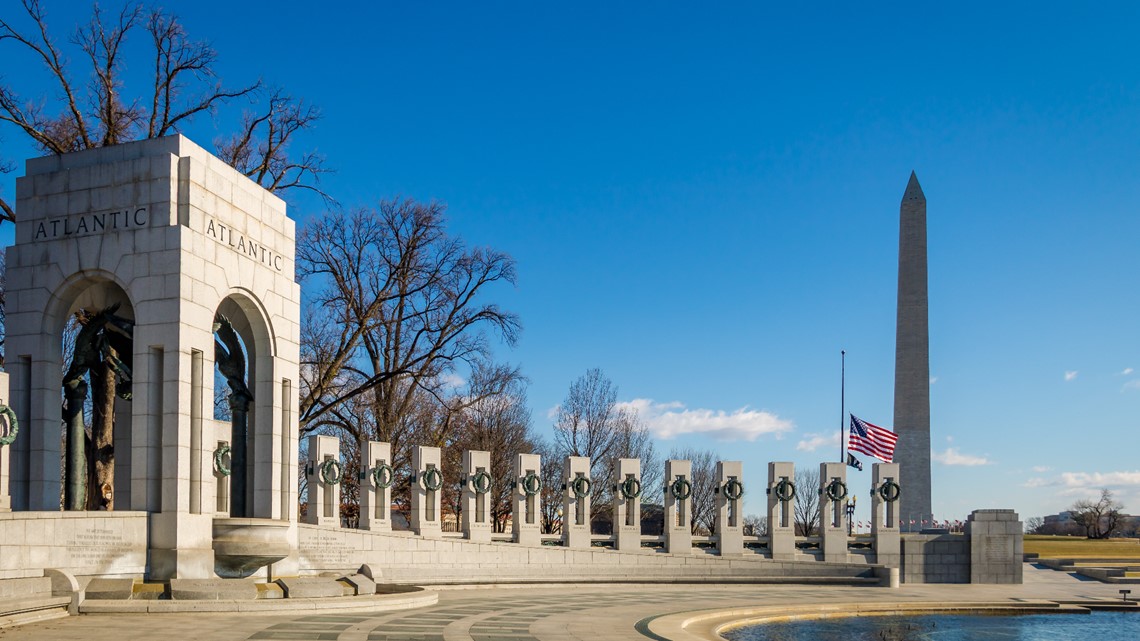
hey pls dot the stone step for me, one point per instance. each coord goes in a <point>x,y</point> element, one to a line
<point>309,587</point>
<point>212,590</point>
<point>694,580</point>
<point>32,609</point>
<point>111,589</point>
<point>402,600</point>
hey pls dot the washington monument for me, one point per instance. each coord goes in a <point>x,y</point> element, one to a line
<point>912,363</point>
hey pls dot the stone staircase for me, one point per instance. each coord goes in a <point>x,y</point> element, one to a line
<point>26,600</point>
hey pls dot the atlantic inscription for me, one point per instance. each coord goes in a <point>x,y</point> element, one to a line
<point>92,223</point>
<point>245,246</point>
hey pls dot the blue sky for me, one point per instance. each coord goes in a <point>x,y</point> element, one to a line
<point>703,202</point>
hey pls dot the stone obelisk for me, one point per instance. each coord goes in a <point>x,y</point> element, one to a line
<point>912,363</point>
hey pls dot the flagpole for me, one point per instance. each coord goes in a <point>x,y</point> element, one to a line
<point>842,403</point>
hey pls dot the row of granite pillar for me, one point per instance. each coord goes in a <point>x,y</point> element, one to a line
<point>577,488</point>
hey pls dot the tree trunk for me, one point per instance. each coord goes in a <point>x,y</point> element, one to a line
<point>101,470</point>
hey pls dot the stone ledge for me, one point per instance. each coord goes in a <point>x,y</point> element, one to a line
<point>371,603</point>
<point>30,610</point>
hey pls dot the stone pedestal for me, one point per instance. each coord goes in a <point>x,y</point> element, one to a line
<point>885,513</point>
<point>832,516</point>
<point>781,513</point>
<point>678,507</point>
<point>996,546</point>
<point>627,505</point>
<point>729,502</point>
<point>5,450</point>
<point>477,483</point>
<point>181,546</point>
<point>376,500</point>
<point>324,473</point>
<point>426,490</point>
<point>526,517</point>
<point>576,502</point>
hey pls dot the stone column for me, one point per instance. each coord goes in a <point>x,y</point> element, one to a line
<point>477,495</point>
<point>832,516</point>
<point>885,514</point>
<point>426,489</point>
<point>526,517</point>
<point>324,473</point>
<point>781,513</point>
<point>912,359</point>
<point>376,500</point>
<point>6,450</point>
<point>678,506</point>
<point>627,505</point>
<point>996,546</point>
<point>576,502</point>
<point>729,501</point>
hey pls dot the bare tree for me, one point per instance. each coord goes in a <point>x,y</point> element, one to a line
<point>101,112</point>
<point>3,295</point>
<point>551,487</point>
<point>493,420</point>
<point>397,306</point>
<point>806,509</point>
<point>397,314</point>
<point>1033,524</point>
<point>261,149</point>
<point>755,525</point>
<point>1099,518</point>
<point>633,441</point>
<point>589,421</point>
<point>6,212</point>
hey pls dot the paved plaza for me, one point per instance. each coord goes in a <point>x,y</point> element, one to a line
<point>580,612</point>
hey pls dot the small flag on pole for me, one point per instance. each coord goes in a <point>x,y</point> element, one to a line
<point>871,440</point>
<point>854,462</point>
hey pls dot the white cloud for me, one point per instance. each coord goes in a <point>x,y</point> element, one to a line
<point>933,380</point>
<point>813,442</point>
<point>1126,484</point>
<point>552,413</point>
<point>953,457</point>
<point>669,420</point>
<point>1100,479</point>
<point>1041,469</point>
<point>452,380</point>
<point>1133,384</point>
<point>1070,375</point>
<point>1126,372</point>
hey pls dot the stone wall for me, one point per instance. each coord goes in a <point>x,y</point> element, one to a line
<point>405,558</point>
<point>935,558</point>
<point>83,543</point>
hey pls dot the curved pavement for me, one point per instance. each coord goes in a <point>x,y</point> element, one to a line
<point>581,612</point>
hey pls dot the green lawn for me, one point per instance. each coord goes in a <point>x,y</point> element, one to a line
<point>1072,547</point>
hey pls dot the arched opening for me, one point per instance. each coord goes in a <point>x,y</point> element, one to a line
<point>243,399</point>
<point>97,358</point>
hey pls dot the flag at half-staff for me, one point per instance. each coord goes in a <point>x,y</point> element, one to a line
<point>871,440</point>
<point>854,462</point>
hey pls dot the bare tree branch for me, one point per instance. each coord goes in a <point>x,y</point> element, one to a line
<point>400,298</point>
<point>260,149</point>
<point>104,113</point>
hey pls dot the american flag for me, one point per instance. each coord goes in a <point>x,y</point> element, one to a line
<point>871,440</point>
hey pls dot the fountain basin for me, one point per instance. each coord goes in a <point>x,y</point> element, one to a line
<point>242,546</point>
